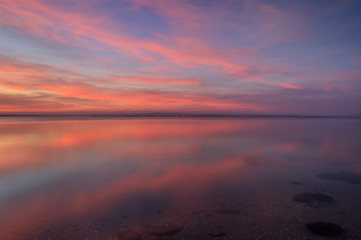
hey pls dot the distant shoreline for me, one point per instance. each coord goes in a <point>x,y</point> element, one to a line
<point>172,116</point>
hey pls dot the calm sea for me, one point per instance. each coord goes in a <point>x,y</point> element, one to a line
<point>180,178</point>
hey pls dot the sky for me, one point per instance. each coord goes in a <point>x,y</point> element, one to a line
<point>190,56</point>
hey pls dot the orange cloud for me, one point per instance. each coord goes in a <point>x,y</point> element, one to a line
<point>54,86</point>
<point>156,80</point>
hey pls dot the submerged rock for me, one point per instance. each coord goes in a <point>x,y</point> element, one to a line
<point>325,228</point>
<point>229,211</point>
<point>313,199</point>
<point>217,233</point>
<point>129,235</point>
<point>162,230</point>
<point>296,183</point>
<point>348,177</point>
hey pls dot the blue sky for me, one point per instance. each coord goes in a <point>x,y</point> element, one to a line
<point>298,57</point>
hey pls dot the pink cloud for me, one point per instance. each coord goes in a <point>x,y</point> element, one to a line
<point>52,23</point>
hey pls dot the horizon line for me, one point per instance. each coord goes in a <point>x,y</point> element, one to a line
<point>183,115</point>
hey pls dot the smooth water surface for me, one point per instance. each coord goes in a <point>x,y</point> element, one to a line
<point>178,178</point>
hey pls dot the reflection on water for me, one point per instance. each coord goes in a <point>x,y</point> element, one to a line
<point>179,178</point>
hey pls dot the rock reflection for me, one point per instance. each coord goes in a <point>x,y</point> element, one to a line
<point>325,228</point>
<point>315,200</point>
<point>348,177</point>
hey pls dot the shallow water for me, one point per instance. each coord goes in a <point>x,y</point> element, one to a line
<point>178,178</point>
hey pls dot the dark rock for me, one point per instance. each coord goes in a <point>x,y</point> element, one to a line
<point>217,233</point>
<point>296,183</point>
<point>129,235</point>
<point>307,197</point>
<point>348,177</point>
<point>313,199</point>
<point>162,230</point>
<point>325,228</point>
<point>229,211</point>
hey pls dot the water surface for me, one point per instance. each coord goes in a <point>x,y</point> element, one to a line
<point>202,178</point>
